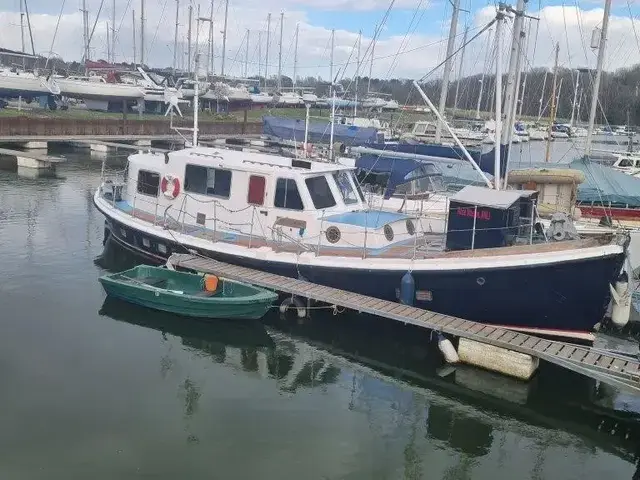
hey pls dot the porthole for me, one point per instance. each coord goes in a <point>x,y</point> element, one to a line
<point>333,234</point>
<point>411,228</point>
<point>481,281</point>
<point>388,232</point>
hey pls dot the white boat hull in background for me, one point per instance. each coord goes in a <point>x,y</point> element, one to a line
<point>98,90</point>
<point>13,84</point>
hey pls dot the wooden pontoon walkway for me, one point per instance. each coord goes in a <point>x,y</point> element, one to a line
<point>618,370</point>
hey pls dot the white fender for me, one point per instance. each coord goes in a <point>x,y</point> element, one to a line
<point>447,349</point>
<point>620,303</point>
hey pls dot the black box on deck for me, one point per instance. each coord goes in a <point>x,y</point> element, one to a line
<point>480,217</point>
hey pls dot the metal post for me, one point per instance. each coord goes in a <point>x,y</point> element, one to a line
<point>189,40</point>
<point>215,220</point>
<point>142,20</point>
<point>447,66</point>
<point>280,53</point>
<point>175,38</point>
<point>473,231</point>
<point>498,98</point>
<point>196,86</point>
<point>253,212</point>
<point>307,106</point>
<point>224,36</point>
<point>596,84</point>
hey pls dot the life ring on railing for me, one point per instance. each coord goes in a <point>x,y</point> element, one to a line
<point>170,186</point>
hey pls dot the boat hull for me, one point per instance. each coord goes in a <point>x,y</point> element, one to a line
<point>554,297</point>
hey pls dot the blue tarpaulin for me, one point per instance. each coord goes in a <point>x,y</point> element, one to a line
<point>319,132</point>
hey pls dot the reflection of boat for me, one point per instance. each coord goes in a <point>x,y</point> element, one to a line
<point>233,334</point>
<point>188,294</point>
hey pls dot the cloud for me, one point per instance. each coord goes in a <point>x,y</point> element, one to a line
<point>396,55</point>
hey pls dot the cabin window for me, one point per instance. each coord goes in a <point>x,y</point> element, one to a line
<point>320,192</point>
<point>287,195</point>
<point>256,190</point>
<point>214,182</point>
<point>148,183</point>
<point>625,162</point>
<point>343,181</point>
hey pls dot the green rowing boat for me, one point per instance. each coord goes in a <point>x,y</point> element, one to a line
<point>188,294</point>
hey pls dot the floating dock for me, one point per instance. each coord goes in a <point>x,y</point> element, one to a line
<point>30,159</point>
<point>619,370</point>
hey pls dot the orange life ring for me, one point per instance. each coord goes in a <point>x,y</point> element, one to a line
<point>170,186</point>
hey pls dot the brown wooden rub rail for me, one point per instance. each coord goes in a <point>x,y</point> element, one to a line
<point>618,370</point>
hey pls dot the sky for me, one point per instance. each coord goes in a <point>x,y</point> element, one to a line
<point>412,37</point>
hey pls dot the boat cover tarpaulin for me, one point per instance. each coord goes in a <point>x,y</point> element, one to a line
<point>453,172</point>
<point>319,132</point>
<point>603,184</point>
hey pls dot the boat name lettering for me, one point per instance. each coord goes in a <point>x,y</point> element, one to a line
<point>471,212</point>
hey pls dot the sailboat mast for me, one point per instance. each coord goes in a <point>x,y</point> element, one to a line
<point>512,77</point>
<point>355,105</point>
<point>208,59</point>
<point>133,29</point>
<point>22,24</point>
<point>259,55</point>
<point>175,38</point>
<point>547,154</point>
<point>498,99</point>
<point>575,98</point>
<point>373,49</point>
<point>596,84</point>
<point>486,64</point>
<point>85,30</point>
<point>541,101</point>
<point>459,79</point>
<point>447,66</point>
<point>295,57</point>
<point>246,56</point>
<point>333,45</point>
<point>26,11</point>
<point>280,53</point>
<point>266,60</point>
<point>113,31</point>
<point>224,36</point>
<point>142,20</point>
<point>189,39</point>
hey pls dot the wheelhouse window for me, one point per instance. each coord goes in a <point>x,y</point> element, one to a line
<point>148,183</point>
<point>214,182</point>
<point>287,195</point>
<point>320,192</point>
<point>343,180</point>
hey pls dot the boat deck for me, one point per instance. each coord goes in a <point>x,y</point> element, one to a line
<point>618,370</point>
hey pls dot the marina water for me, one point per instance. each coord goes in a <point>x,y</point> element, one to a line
<point>95,388</point>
